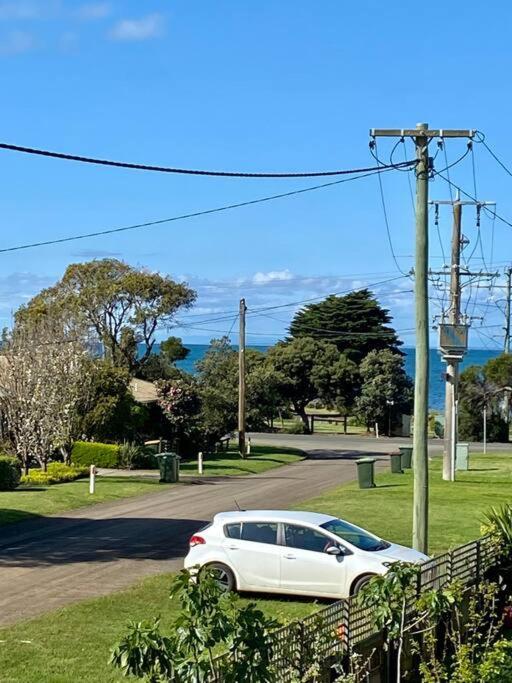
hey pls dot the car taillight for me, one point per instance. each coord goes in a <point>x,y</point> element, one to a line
<point>196,540</point>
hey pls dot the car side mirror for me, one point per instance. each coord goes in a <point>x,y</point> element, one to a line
<point>334,550</point>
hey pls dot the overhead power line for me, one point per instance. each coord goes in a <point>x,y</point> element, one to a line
<point>185,216</point>
<point>188,171</point>
<point>481,140</point>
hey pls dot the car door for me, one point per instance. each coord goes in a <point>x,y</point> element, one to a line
<point>255,555</point>
<point>306,567</point>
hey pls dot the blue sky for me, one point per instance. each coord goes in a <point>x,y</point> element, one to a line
<point>284,86</point>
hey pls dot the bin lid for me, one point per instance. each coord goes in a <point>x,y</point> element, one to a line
<point>168,455</point>
<point>366,460</point>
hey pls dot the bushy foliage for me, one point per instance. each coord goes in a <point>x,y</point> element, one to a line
<point>208,618</point>
<point>100,454</point>
<point>111,412</point>
<point>10,472</point>
<point>56,473</point>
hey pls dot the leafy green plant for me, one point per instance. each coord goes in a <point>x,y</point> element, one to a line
<point>209,620</point>
<point>10,472</point>
<point>129,455</point>
<point>93,453</point>
<point>498,523</point>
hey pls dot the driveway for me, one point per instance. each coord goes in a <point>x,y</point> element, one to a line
<point>54,561</point>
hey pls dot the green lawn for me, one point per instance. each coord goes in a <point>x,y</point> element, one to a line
<point>262,458</point>
<point>73,644</point>
<point>456,509</point>
<point>27,502</point>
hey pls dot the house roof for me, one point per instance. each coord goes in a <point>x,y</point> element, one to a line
<point>143,391</point>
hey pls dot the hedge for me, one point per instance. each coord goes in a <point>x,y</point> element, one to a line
<point>10,472</point>
<point>92,453</point>
<point>57,473</point>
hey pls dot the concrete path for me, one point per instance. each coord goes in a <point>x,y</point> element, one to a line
<point>54,561</point>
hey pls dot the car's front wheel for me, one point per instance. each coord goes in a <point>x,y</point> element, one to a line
<point>360,582</point>
<point>223,576</point>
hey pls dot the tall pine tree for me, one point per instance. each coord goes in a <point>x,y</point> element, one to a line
<point>355,323</point>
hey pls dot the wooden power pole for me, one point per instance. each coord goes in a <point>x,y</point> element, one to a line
<point>421,136</point>
<point>241,381</point>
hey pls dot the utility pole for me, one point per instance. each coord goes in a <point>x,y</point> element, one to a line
<point>454,318</point>
<point>508,289</point>
<point>421,136</point>
<point>241,380</point>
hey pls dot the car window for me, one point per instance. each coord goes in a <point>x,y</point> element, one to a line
<point>232,530</point>
<point>259,532</point>
<point>353,535</point>
<point>305,538</point>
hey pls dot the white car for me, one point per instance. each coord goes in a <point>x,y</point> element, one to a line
<point>302,553</point>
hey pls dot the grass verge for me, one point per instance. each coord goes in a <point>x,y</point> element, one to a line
<point>73,644</point>
<point>230,463</point>
<point>456,509</point>
<point>28,502</point>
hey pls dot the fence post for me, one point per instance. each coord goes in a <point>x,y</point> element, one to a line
<point>478,561</point>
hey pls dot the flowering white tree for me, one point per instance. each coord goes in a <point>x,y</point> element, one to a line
<point>45,373</point>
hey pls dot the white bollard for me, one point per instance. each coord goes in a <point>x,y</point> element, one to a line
<point>248,446</point>
<point>92,478</point>
<point>376,430</point>
<point>200,462</point>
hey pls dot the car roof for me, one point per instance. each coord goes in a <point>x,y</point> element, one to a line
<point>291,516</point>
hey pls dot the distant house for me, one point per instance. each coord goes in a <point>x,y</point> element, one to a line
<point>143,391</point>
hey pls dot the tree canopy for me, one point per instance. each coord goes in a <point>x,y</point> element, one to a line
<point>307,368</point>
<point>386,390</point>
<point>355,323</point>
<point>123,305</point>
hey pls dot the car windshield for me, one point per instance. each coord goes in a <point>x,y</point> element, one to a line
<point>357,537</point>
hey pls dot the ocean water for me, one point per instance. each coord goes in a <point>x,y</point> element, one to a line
<point>437,367</point>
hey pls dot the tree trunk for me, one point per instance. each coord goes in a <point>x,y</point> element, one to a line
<point>345,424</point>
<point>301,412</point>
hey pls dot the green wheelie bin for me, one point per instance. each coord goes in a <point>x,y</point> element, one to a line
<point>169,464</point>
<point>365,473</point>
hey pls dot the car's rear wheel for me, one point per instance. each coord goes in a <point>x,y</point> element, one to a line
<point>360,582</point>
<point>223,576</point>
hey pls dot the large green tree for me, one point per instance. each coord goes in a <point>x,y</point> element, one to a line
<point>124,306</point>
<point>307,368</point>
<point>355,323</point>
<point>386,390</point>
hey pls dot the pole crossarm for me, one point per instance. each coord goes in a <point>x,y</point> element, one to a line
<point>467,273</point>
<point>413,133</point>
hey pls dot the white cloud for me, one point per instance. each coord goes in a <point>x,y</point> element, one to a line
<point>272,276</point>
<point>94,10</point>
<point>144,28</point>
<point>17,42</point>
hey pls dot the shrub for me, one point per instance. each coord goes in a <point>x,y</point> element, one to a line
<point>296,427</point>
<point>129,454</point>
<point>10,472</point>
<point>99,454</point>
<point>57,473</point>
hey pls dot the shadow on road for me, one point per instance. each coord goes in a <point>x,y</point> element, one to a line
<point>60,540</point>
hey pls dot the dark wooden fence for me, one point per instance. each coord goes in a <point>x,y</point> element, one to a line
<point>345,626</point>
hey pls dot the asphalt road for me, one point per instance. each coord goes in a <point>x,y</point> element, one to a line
<point>50,562</point>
